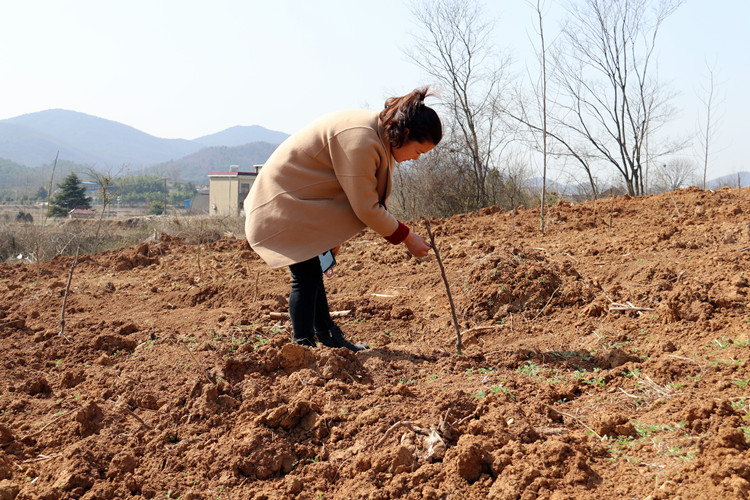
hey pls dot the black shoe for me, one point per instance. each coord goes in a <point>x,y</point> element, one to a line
<point>335,338</point>
<point>305,342</point>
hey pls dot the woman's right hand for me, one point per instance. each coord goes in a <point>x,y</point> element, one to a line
<point>417,245</point>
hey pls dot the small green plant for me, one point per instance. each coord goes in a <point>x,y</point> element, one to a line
<point>742,383</point>
<point>723,343</point>
<point>480,394</point>
<point>499,388</point>
<point>555,379</point>
<point>529,369</point>
<point>740,404</point>
<point>597,381</point>
<point>619,444</point>
<point>680,453</point>
<point>647,430</point>
<point>58,363</point>
<point>260,341</point>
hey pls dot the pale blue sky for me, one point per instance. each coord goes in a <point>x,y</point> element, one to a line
<point>187,68</point>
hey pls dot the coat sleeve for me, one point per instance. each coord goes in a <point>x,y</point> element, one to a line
<point>356,155</point>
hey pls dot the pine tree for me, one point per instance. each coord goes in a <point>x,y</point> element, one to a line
<point>72,195</point>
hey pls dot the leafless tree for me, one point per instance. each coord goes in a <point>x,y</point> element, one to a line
<point>434,185</point>
<point>613,101</point>
<point>707,132</point>
<point>536,111</point>
<point>454,48</point>
<point>676,174</point>
<point>104,180</point>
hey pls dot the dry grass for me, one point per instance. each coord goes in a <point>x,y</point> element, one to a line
<point>25,241</point>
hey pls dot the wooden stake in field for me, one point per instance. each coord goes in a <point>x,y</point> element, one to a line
<point>447,286</point>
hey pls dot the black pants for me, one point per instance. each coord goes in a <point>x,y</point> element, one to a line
<point>308,306</point>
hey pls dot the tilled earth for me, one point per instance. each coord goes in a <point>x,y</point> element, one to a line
<point>607,358</point>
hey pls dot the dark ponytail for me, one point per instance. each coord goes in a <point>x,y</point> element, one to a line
<point>407,118</point>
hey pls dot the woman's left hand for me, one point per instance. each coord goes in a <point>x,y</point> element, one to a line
<point>335,250</point>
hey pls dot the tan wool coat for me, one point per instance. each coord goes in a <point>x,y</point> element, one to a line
<point>320,187</point>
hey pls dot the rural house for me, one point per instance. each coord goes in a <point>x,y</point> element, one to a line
<point>228,190</point>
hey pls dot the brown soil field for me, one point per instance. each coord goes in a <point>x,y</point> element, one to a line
<point>607,358</point>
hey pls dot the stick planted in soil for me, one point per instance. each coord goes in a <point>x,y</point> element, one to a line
<point>447,286</point>
<point>67,290</point>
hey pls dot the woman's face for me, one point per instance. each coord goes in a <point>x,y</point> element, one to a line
<point>410,150</point>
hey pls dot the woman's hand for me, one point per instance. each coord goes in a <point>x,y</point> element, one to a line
<point>417,245</point>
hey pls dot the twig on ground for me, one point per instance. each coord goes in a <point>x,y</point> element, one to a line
<point>480,328</point>
<point>404,423</point>
<point>45,426</point>
<point>205,372</point>
<point>41,457</point>
<point>285,315</point>
<point>577,420</point>
<point>124,406</point>
<point>628,307</point>
<point>447,286</point>
<point>545,305</point>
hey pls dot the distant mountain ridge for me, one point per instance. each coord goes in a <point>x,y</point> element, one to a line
<point>241,135</point>
<point>195,167</point>
<point>34,139</point>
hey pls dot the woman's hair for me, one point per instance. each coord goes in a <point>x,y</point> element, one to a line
<point>407,118</point>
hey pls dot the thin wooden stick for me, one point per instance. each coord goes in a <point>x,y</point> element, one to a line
<point>41,457</point>
<point>411,426</point>
<point>67,290</point>
<point>447,286</point>
<point>577,420</point>
<point>44,217</point>
<point>480,328</point>
<point>285,315</point>
<point>46,425</point>
<point>675,204</point>
<point>622,307</point>
<point>200,365</point>
<point>121,405</point>
<point>545,305</point>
